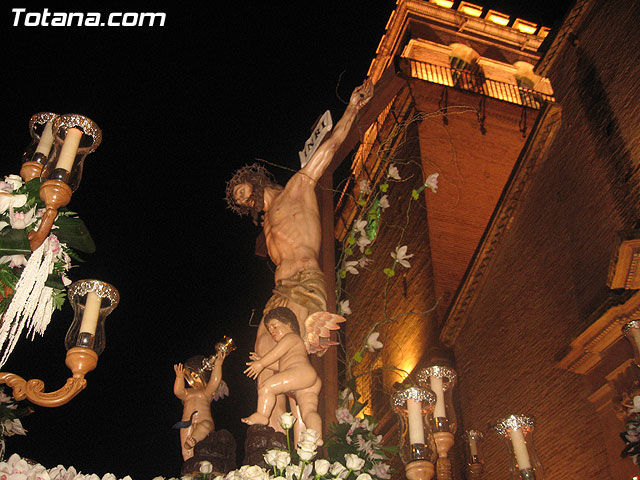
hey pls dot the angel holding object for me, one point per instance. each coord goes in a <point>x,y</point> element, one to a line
<point>293,375</point>
<point>204,376</point>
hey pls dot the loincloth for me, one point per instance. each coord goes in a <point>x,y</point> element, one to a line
<point>306,288</point>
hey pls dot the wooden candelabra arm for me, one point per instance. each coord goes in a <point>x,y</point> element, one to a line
<point>55,194</point>
<point>30,170</point>
<point>79,360</point>
<point>419,470</point>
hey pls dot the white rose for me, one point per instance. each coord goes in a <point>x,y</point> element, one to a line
<point>270,457</point>
<point>111,476</point>
<point>254,472</point>
<point>282,459</point>
<point>322,466</point>
<point>287,420</point>
<point>310,435</point>
<point>219,477</point>
<point>363,476</point>
<point>231,475</point>
<point>353,462</point>
<point>305,455</point>
<point>339,470</point>
<point>292,470</point>
<point>206,467</point>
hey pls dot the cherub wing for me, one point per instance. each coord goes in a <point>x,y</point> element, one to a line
<point>317,338</point>
<point>222,391</point>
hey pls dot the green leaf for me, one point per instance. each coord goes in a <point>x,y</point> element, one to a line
<point>351,241</point>
<point>348,251</point>
<point>74,233</point>
<point>14,242</point>
<point>415,194</point>
<point>55,281</point>
<point>357,357</point>
<point>384,187</point>
<point>362,202</point>
<point>368,251</point>
<point>389,272</point>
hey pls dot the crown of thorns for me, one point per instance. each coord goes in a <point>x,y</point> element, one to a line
<point>255,174</point>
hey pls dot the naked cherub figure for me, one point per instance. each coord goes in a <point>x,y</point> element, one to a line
<point>291,225</point>
<point>197,421</point>
<point>294,372</point>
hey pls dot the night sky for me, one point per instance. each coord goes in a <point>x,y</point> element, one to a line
<point>181,107</point>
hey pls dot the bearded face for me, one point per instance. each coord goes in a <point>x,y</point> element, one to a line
<point>249,199</point>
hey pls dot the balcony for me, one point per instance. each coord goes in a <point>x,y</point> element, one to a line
<point>475,82</point>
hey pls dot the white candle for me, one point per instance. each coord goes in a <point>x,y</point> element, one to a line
<point>91,314</point>
<point>438,389</point>
<point>69,149</point>
<point>46,139</point>
<point>416,427</point>
<point>473,447</point>
<point>520,449</point>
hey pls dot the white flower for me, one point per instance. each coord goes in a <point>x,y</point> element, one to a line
<point>360,226</point>
<point>305,455</point>
<point>364,186</point>
<point>287,420</point>
<point>432,182</point>
<point>221,477</point>
<point>363,242</point>
<point>344,308</point>
<point>384,202</point>
<point>380,470</point>
<point>346,396</point>
<point>343,415</point>
<point>373,343</point>
<point>15,181</point>
<point>14,260</point>
<point>353,461</point>
<point>110,476</point>
<point>363,262</point>
<point>349,266</point>
<point>13,427</point>
<point>339,470</point>
<point>270,457</point>
<point>21,220</point>
<point>159,477</point>
<point>11,201</point>
<point>363,476</point>
<point>292,470</point>
<point>283,458</point>
<point>401,256</point>
<point>322,466</point>
<point>393,172</point>
<point>310,435</point>
<point>206,467</point>
<point>254,472</point>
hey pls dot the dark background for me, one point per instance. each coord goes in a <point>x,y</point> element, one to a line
<point>181,107</point>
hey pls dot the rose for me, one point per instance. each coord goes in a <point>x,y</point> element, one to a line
<point>254,472</point>
<point>15,181</point>
<point>291,471</point>
<point>322,466</point>
<point>353,462</point>
<point>206,467</point>
<point>282,459</point>
<point>310,435</point>
<point>363,476</point>
<point>287,420</point>
<point>339,470</point>
<point>270,457</point>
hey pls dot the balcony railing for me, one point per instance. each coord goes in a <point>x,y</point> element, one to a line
<point>478,83</point>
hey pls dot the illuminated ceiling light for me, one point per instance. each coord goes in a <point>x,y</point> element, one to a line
<point>524,26</point>
<point>470,9</point>
<point>443,3</point>
<point>543,32</point>
<point>497,17</point>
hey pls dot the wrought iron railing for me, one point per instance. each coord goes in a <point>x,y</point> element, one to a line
<point>478,83</point>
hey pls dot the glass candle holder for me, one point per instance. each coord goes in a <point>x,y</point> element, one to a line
<point>92,302</point>
<point>75,136</point>
<point>631,330</point>
<point>440,380</point>
<point>411,405</point>
<point>41,131</point>
<point>472,442</point>
<point>517,430</point>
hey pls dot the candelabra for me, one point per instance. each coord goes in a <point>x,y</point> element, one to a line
<point>37,152</point>
<point>517,430</point>
<point>194,376</point>
<point>441,380</point>
<point>73,138</point>
<point>417,447</point>
<point>92,302</point>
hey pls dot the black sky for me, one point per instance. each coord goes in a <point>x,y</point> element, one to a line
<point>181,107</point>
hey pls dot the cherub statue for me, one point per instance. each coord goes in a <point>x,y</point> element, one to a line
<point>205,386</point>
<point>293,375</point>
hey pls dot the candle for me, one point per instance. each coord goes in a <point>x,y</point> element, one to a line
<point>416,427</point>
<point>438,389</point>
<point>46,139</point>
<point>69,149</point>
<point>473,446</point>
<point>520,449</point>
<point>91,314</point>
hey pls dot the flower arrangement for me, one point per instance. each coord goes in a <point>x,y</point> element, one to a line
<point>32,284</point>
<point>631,435</point>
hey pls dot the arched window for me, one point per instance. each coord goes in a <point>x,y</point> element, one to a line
<point>465,71</point>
